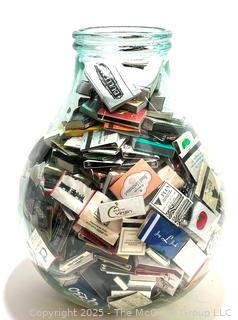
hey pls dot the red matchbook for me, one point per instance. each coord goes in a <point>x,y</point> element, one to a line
<point>126,118</point>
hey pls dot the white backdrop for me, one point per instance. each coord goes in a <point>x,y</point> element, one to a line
<point>36,71</point>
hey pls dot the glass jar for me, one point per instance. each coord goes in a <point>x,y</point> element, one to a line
<point>121,206</point>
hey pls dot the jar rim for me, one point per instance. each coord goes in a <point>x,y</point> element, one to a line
<point>122,39</point>
<point>123,32</point>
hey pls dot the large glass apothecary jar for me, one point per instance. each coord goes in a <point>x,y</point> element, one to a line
<point>121,206</point>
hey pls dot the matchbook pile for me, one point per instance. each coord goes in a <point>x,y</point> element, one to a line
<point>122,207</point>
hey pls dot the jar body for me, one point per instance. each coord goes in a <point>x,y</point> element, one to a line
<point>120,203</point>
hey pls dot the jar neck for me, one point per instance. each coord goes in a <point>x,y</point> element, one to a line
<point>126,42</point>
<point>135,47</point>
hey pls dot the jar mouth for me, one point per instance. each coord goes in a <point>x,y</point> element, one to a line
<point>123,32</point>
<point>122,38</point>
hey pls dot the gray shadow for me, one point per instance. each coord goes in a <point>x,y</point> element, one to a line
<point>28,296</point>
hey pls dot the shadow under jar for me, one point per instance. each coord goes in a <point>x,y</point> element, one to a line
<point>121,207</point>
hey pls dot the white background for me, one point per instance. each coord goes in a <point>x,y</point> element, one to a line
<point>36,71</point>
